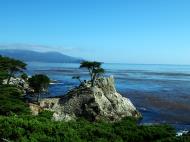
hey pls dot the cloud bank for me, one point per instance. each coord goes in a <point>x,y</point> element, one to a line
<point>39,48</point>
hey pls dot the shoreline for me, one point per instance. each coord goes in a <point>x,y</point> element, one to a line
<point>156,92</point>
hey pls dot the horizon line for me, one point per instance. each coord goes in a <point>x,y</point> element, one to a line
<point>169,64</point>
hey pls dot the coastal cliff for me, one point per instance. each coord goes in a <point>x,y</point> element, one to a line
<point>92,103</point>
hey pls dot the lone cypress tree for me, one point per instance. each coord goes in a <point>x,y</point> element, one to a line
<point>94,68</point>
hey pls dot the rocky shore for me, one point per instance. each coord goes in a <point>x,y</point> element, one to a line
<point>92,103</point>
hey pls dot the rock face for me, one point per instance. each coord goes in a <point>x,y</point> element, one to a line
<point>92,103</point>
<point>18,82</point>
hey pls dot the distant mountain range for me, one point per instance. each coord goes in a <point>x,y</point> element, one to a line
<point>33,56</point>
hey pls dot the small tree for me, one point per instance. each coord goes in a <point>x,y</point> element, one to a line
<point>24,76</point>
<point>95,70</point>
<point>11,66</point>
<point>39,83</point>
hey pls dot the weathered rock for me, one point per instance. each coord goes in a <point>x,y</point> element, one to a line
<point>21,83</point>
<point>92,103</point>
<point>35,109</point>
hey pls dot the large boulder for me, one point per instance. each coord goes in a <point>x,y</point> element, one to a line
<point>92,103</point>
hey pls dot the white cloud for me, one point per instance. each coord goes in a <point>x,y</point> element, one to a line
<point>40,48</point>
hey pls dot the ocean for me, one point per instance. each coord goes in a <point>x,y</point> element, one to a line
<point>160,92</point>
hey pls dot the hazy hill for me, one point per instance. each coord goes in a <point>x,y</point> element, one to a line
<point>27,55</point>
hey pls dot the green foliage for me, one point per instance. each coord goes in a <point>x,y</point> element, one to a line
<point>94,68</point>
<point>3,75</point>
<point>11,101</point>
<point>24,76</point>
<point>39,83</point>
<point>184,138</point>
<point>7,63</point>
<point>11,66</point>
<point>41,128</point>
<point>46,114</point>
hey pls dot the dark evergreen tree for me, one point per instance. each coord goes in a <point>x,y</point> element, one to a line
<point>11,67</point>
<point>94,68</point>
<point>39,83</point>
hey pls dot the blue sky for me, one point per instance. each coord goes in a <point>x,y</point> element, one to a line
<point>125,31</point>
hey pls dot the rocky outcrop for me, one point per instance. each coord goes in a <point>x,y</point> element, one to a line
<point>92,103</point>
<point>35,109</point>
<point>19,82</point>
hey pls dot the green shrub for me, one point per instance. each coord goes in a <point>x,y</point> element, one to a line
<point>3,75</point>
<point>11,101</point>
<point>24,76</point>
<point>175,139</point>
<point>46,114</point>
<point>41,128</point>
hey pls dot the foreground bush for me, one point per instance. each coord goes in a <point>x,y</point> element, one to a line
<point>11,101</point>
<point>41,128</point>
<point>16,124</point>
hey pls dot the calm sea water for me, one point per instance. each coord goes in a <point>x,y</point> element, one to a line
<point>160,92</point>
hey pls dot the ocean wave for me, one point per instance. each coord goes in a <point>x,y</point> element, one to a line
<point>55,83</point>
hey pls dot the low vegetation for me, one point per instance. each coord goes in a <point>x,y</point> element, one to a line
<point>42,128</point>
<point>17,124</point>
<point>11,101</point>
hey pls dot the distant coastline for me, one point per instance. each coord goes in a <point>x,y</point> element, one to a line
<point>34,56</point>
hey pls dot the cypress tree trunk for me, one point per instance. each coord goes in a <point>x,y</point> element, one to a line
<point>9,78</point>
<point>91,76</point>
<point>93,80</point>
